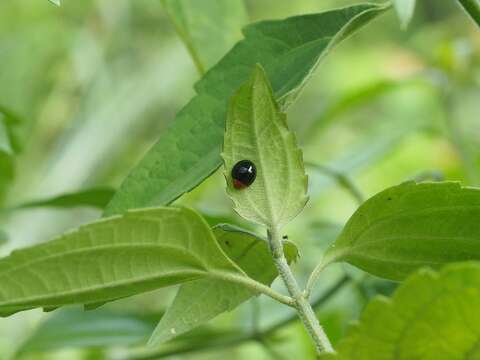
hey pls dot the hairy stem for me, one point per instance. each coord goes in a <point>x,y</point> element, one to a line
<point>303,307</point>
<point>316,304</point>
<point>229,341</point>
<point>472,7</point>
<point>314,277</point>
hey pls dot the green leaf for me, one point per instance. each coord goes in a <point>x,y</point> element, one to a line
<point>472,8</point>
<point>9,147</point>
<point>208,28</point>
<point>6,162</point>
<point>405,10</point>
<point>410,226</point>
<point>430,316</point>
<point>76,328</point>
<point>111,259</point>
<point>56,2</point>
<point>351,101</point>
<point>189,151</point>
<point>10,134</point>
<point>3,237</point>
<point>213,297</point>
<point>5,143</point>
<point>6,173</point>
<point>94,197</point>
<point>215,219</point>
<point>257,131</point>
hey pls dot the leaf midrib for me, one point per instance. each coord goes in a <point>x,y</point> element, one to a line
<point>367,244</point>
<point>102,247</point>
<point>362,255</point>
<point>406,214</point>
<point>59,295</point>
<point>268,195</point>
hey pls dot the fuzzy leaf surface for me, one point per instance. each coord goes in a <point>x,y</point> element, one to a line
<point>111,259</point>
<point>257,131</point>
<point>213,297</point>
<point>410,226</point>
<point>432,316</point>
<point>189,151</point>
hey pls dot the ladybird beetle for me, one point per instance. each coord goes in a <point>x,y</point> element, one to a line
<point>243,174</point>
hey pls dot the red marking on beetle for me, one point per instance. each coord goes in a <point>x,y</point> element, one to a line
<point>237,184</point>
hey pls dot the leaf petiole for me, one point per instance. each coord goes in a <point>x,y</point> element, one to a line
<point>302,305</point>
<point>254,285</point>
<point>312,279</point>
<point>243,338</point>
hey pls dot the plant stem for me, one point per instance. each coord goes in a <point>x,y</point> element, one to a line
<point>229,341</point>
<point>472,7</point>
<point>303,307</point>
<point>314,276</point>
<point>187,41</point>
<point>317,303</point>
<point>342,179</point>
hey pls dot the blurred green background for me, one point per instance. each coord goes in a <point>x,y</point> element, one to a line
<point>94,83</point>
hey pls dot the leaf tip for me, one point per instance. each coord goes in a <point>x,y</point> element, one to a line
<point>157,337</point>
<point>259,75</point>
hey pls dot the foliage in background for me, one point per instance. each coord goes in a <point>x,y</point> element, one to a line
<point>212,298</point>
<point>208,29</point>
<point>196,136</point>
<point>411,226</point>
<point>10,145</point>
<point>430,316</point>
<point>386,107</point>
